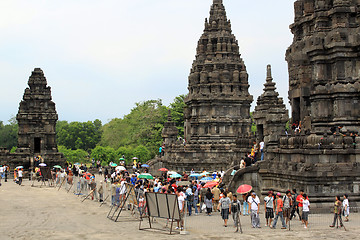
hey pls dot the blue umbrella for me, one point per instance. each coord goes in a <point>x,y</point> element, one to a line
<point>195,175</point>
<point>145,165</point>
<point>206,179</point>
<point>176,176</point>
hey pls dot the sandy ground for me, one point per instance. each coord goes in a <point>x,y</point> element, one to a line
<point>45,213</point>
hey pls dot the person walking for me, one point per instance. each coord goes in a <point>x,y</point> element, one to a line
<point>279,212</point>
<point>254,202</point>
<point>20,176</point>
<point>216,191</point>
<point>181,202</point>
<point>287,205</point>
<point>294,208</point>
<point>225,204</point>
<point>269,208</point>
<point>346,207</point>
<point>245,204</point>
<point>208,201</point>
<point>305,211</point>
<point>337,212</point>
<point>235,210</point>
<point>299,200</point>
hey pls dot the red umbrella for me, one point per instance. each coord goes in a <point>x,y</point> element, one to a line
<point>210,184</point>
<point>87,175</point>
<point>244,189</point>
<point>163,170</point>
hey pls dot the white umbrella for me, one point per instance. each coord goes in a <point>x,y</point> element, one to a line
<point>42,164</point>
<point>171,173</point>
<point>120,168</point>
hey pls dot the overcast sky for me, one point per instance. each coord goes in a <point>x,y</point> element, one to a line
<point>100,57</point>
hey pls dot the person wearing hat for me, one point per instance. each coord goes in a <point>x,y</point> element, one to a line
<point>254,202</point>
<point>279,212</point>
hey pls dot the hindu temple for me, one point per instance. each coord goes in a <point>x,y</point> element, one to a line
<point>37,119</point>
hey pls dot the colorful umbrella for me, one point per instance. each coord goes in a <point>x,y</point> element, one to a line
<point>244,189</point>
<point>135,158</point>
<point>57,166</point>
<point>206,179</point>
<point>18,167</point>
<point>145,166</point>
<point>42,164</point>
<point>210,184</point>
<point>176,176</point>
<point>205,173</point>
<point>77,164</point>
<point>122,159</point>
<point>87,175</point>
<point>163,170</point>
<point>195,175</point>
<point>113,165</point>
<point>120,168</point>
<point>146,176</point>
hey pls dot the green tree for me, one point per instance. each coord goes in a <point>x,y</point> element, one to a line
<point>78,155</point>
<point>177,113</point>
<point>142,153</point>
<point>79,135</point>
<point>142,126</point>
<point>104,154</point>
<point>9,133</point>
<point>127,152</point>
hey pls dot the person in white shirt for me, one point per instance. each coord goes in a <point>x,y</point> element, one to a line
<point>20,175</point>
<point>2,171</point>
<point>306,210</point>
<point>262,149</point>
<point>254,202</point>
<point>181,202</point>
<point>346,207</point>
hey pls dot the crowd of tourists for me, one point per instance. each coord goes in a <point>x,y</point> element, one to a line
<point>197,193</point>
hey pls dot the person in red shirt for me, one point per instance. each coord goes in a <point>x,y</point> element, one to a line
<point>300,205</point>
<point>279,212</point>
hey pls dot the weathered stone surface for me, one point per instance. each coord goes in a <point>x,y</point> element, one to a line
<point>323,159</point>
<point>324,64</point>
<point>218,103</point>
<point>270,114</point>
<point>37,125</point>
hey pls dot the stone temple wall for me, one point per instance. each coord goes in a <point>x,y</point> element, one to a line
<point>37,119</point>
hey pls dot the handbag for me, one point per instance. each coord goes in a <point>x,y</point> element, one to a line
<point>203,207</point>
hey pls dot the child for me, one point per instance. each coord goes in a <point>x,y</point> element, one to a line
<point>236,210</point>
<point>141,205</point>
<point>306,210</point>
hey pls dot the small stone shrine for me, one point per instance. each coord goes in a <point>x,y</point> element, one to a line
<point>37,126</point>
<point>270,114</point>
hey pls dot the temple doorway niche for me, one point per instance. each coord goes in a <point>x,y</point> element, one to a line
<point>37,145</point>
<point>260,131</point>
<point>296,110</point>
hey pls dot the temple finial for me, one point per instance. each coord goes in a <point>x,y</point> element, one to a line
<point>169,116</point>
<point>268,73</point>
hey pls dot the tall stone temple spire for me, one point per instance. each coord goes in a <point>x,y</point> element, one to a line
<point>270,113</point>
<point>218,103</point>
<point>37,121</point>
<point>217,110</point>
<point>323,62</point>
